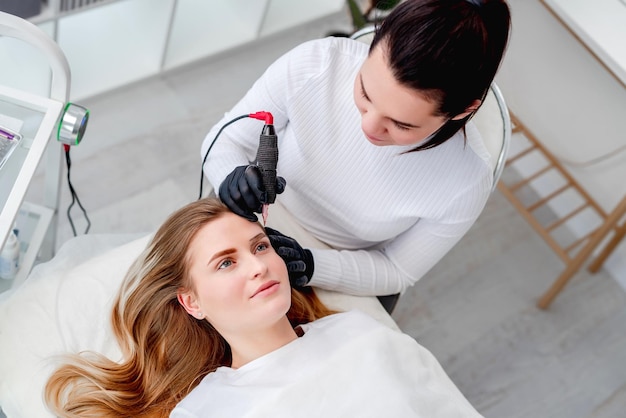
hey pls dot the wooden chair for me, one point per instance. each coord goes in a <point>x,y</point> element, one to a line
<point>576,250</point>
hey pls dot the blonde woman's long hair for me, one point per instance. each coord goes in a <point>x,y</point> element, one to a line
<point>166,351</point>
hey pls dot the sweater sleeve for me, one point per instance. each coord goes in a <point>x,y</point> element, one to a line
<point>400,262</point>
<point>237,143</point>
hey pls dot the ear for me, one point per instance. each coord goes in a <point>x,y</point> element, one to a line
<point>188,301</point>
<point>470,109</point>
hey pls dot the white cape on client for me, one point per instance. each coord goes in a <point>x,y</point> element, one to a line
<point>345,365</point>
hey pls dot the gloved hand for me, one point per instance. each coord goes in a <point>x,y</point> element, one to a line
<point>299,261</point>
<point>243,191</point>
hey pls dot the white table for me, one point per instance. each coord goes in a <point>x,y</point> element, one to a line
<point>600,25</point>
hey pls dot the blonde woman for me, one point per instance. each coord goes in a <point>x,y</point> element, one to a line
<point>209,326</point>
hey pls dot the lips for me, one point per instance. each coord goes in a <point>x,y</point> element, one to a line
<point>373,139</point>
<point>264,287</point>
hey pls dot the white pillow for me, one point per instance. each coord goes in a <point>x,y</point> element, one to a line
<point>60,308</point>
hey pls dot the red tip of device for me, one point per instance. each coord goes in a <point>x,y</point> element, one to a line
<point>265,116</point>
<point>66,147</point>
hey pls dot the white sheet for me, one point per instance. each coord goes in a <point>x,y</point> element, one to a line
<point>345,365</point>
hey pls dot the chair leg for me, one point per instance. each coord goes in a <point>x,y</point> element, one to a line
<point>389,302</point>
<point>606,252</point>
<point>611,220</point>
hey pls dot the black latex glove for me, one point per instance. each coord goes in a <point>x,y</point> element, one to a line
<point>243,191</point>
<point>299,261</point>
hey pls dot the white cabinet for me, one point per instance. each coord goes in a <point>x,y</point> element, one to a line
<point>114,44</point>
<point>203,28</point>
<point>109,44</point>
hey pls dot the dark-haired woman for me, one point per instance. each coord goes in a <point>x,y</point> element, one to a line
<point>382,163</point>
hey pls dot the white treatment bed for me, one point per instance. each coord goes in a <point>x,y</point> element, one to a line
<point>64,307</point>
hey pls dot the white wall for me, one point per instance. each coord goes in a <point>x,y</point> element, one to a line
<point>569,100</point>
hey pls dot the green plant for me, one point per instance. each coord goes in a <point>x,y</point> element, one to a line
<point>360,18</point>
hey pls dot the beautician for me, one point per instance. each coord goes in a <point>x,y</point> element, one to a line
<point>379,159</point>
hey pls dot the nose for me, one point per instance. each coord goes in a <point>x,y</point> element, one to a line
<point>257,266</point>
<point>372,123</point>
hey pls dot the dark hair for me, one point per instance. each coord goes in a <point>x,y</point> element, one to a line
<point>449,50</point>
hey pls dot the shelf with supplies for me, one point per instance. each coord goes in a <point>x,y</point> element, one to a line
<point>33,222</point>
<point>35,118</point>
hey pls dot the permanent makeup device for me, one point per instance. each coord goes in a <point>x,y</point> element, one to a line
<point>266,157</point>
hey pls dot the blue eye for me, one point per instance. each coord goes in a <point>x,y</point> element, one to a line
<point>225,264</point>
<point>262,247</point>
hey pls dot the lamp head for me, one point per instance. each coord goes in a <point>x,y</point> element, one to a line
<point>72,124</point>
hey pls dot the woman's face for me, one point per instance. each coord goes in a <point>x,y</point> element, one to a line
<point>240,283</point>
<point>391,114</point>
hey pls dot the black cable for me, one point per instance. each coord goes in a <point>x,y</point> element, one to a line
<point>211,146</point>
<point>75,198</point>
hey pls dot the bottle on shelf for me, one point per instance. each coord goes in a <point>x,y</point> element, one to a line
<point>10,257</point>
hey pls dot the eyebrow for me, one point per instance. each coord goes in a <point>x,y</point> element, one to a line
<point>408,125</point>
<point>232,250</point>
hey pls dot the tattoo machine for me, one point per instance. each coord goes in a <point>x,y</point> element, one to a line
<point>267,159</point>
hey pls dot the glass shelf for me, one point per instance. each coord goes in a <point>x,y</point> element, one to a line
<point>39,117</point>
<point>32,222</point>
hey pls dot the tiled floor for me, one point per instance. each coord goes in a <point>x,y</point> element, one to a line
<point>475,310</point>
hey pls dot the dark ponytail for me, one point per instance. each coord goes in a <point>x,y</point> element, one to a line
<point>449,50</point>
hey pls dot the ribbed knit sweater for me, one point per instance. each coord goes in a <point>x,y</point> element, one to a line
<point>389,217</point>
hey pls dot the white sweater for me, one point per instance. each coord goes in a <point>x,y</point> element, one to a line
<point>388,216</point>
<point>345,365</point>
